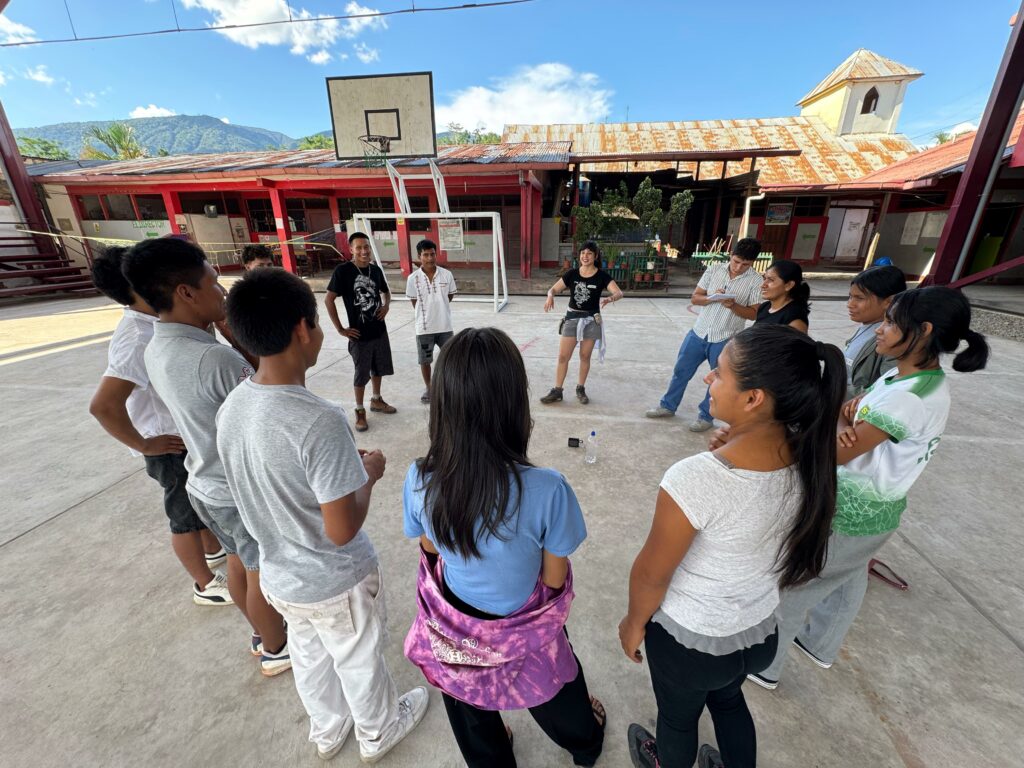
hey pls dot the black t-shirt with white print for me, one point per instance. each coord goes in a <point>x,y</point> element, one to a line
<point>585,292</point>
<point>361,291</point>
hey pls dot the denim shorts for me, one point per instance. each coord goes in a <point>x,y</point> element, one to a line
<point>226,524</point>
<point>169,470</point>
<point>591,332</point>
<point>425,344</point>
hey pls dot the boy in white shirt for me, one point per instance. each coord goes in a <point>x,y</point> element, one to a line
<point>431,289</point>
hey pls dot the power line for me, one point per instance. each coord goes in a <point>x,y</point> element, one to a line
<point>341,17</point>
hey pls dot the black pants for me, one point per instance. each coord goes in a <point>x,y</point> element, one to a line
<point>567,719</point>
<point>685,681</point>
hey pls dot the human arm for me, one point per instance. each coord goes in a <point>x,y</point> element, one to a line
<point>854,441</point>
<point>554,570</point>
<point>747,312</point>
<point>667,543</point>
<point>800,325</point>
<point>616,294</point>
<point>558,287</point>
<point>344,517</point>
<point>332,312</point>
<point>109,406</point>
<point>385,295</point>
<point>229,337</point>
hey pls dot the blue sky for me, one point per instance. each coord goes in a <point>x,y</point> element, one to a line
<point>546,61</point>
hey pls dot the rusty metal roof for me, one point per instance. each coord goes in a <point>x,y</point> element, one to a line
<point>862,64</point>
<point>532,154</point>
<point>824,157</point>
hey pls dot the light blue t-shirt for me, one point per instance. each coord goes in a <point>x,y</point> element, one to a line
<point>504,577</point>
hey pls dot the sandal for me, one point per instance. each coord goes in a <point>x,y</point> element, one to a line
<point>511,739</point>
<point>598,709</point>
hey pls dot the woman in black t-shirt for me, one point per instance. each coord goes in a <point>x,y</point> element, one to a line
<point>786,294</point>
<point>582,322</point>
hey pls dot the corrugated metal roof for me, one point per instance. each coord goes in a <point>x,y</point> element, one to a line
<point>862,64</point>
<point>534,153</point>
<point>59,166</point>
<point>825,158</point>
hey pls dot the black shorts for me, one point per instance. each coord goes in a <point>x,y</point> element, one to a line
<point>370,358</point>
<point>169,470</point>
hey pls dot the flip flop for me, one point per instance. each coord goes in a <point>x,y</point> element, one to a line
<point>892,578</point>
<point>599,713</point>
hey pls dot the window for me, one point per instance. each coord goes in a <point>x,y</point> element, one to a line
<point>119,208</point>
<point>261,215</point>
<point>482,204</point>
<point>870,102</point>
<point>151,207</point>
<point>348,206</point>
<point>912,201</point>
<point>810,206</point>
<point>90,207</point>
<point>296,214</point>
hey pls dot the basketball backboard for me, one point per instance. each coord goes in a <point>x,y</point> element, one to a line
<point>396,108</point>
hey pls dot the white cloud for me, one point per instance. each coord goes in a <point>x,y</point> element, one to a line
<point>151,111</point>
<point>300,38</point>
<point>545,93</point>
<point>225,121</point>
<point>320,57</point>
<point>3,79</point>
<point>39,74</point>
<point>13,32</point>
<point>365,53</point>
<point>88,99</point>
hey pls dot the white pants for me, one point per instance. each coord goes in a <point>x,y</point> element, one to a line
<point>337,650</point>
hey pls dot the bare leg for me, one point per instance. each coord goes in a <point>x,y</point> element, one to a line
<point>566,345</point>
<point>375,383</point>
<point>360,391</point>
<point>210,544</point>
<point>238,587</point>
<point>262,616</point>
<point>188,547</point>
<point>425,373</point>
<point>586,350</point>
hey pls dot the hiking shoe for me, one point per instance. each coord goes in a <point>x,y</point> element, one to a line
<point>709,757</point>
<point>256,645</point>
<point>412,706</point>
<point>327,754</point>
<point>377,405</point>
<point>660,412</point>
<point>701,426</point>
<point>361,425</point>
<point>764,682</point>
<point>214,593</point>
<point>643,749</point>
<point>275,663</point>
<point>425,397</point>
<point>803,648</point>
<point>217,559</point>
<point>581,394</point>
<point>554,396</point>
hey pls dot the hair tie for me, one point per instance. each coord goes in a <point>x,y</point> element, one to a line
<point>819,349</point>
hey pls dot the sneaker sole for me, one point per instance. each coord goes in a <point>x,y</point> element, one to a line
<point>700,429</point>
<point>768,685</point>
<point>200,600</point>
<point>817,662</point>
<point>378,756</point>
<point>331,753</point>
<point>382,410</point>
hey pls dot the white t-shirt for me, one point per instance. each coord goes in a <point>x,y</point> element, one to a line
<point>873,487</point>
<point>433,307</point>
<point>727,582</point>
<point>147,411</point>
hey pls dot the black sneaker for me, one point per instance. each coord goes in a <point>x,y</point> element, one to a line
<point>581,394</point>
<point>643,749</point>
<point>806,651</point>
<point>709,757</point>
<point>766,683</point>
<point>554,396</point>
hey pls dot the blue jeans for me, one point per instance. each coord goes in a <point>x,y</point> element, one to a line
<point>693,351</point>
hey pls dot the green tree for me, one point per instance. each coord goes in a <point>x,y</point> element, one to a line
<point>942,137</point>
<point>455,133</point>
<point>616,211</point>
<point>316,141</point>
<point>119,140</point>
<point>51,150</point>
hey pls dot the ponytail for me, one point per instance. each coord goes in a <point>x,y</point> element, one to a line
<point>949,314</point>
<point>791,272</point>
<point>975,356</point>
<point>801,293</point>
<point>807,382</point>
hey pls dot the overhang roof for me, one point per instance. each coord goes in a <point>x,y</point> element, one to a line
<point>862,64</point>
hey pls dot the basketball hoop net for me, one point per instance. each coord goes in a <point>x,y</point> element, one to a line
<point>375,150</point>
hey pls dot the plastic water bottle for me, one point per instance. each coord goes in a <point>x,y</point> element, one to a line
<point>591,456</point>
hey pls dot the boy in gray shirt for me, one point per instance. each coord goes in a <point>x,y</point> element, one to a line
<point>303,491</point>
<point>193,373</point>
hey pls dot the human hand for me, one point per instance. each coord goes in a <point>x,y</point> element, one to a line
<point>549,304</point>
<point>374,464</point>
<point>349,333</point>
<point>161,444</point>
<point>851,407</point>
<point>606,301</point>
<point>718,438</point>
<point>847,436</point>
<point>729,303</point>
<point>383,311</point>
<point>631,636</point>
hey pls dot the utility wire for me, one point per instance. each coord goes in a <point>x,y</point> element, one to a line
<point>68,10</point>
<point>375,14</point>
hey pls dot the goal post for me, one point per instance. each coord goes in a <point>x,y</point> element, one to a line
<point>363,221</point>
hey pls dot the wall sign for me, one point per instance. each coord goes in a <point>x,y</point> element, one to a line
<point>450,234</point>
<point>778,214</point>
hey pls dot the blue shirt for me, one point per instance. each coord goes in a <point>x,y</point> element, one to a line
<point>504,577</point>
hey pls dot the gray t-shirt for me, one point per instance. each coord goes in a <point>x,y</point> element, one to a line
<point>727,583</point>
<point>857,342</point>
<point>286,452</point>
<point>193,373</point>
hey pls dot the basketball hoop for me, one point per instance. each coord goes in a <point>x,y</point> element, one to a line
<point>375,149</point>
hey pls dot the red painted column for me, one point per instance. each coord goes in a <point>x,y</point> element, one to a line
<point>435,234</point>
<point>283,234</point>
<point>404,255</point>
<point>525,203</point>
<point>537,227</point>
<point>173,206</point>
<point>340,242</point>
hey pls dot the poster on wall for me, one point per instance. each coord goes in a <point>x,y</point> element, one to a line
<point>933,224</point>
<point>449,232</point>
<point>912,228</point>
<point>778,214</point>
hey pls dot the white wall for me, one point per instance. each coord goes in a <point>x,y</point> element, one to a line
<point>63,215</point>
<point>883,119</point>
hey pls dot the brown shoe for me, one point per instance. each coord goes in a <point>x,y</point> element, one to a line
<point>377,405</point>
<point>361,425</point>
<point>581,394</point>
<point>554,396</point>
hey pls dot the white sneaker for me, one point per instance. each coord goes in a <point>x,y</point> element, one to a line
<point>327,754</point>
<point>275,663</point>
<point>216,559</point>
<point>214,593</point>
<point>699,425</point>
<point>412,706</point>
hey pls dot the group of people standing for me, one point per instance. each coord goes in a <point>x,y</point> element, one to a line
<point>761,542</point>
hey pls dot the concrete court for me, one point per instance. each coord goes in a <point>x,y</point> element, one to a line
<point>106,661</point>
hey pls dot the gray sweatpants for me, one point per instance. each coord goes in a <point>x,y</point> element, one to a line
<point>821,611</point>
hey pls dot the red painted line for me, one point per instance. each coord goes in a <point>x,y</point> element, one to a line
<point>530,343</point>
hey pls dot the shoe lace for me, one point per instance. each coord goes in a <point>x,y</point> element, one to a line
<point>650,748</point>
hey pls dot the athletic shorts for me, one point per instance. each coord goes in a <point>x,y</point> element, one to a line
<point>226,524</point>
<point>568,328</point>
<point>169,470</point>
<point>370,358</point>
<point>425,344</point>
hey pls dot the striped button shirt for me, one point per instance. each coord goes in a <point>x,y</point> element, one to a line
<point>716,323</point>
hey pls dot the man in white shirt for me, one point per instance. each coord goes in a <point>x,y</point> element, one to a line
<point>431,289</point>
<point>720,319</point>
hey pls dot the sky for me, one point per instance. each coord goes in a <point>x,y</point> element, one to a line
<point>545,61</point>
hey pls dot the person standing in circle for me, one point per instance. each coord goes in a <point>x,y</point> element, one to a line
<point>582,323</point>
<point>786,296</point>
<point>430,289</point>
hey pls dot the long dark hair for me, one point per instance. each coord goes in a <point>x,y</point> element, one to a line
<point>479,433</point>
<point>806,380</point>
<point>949,313</point>
<point>791,272</point>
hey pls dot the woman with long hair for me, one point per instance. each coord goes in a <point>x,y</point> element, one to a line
<point>786,296</point>
<point>495,583</point>
<point>731,527</point>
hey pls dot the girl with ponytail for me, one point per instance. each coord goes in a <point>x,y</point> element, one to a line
<point>786,296</point>
<point>730,528</point>
<point>886,438</point>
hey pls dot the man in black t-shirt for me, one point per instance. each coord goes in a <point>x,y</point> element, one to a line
<point>362,287</point>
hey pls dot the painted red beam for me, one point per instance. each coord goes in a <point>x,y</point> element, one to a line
<point>972,193</point>
<point>987,273</point>
<point>20,183</point>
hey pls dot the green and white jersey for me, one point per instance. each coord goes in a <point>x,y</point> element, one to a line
<point>873,488</point>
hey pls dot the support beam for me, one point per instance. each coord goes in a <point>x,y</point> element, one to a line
<point>173,205</point>
<point>340,241</point>
<point>536,230</point>
<point>987,273</point>
<point>31,211</point>
<point>283,233</point>
<point>525,204</point>
<point>404,251</point>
